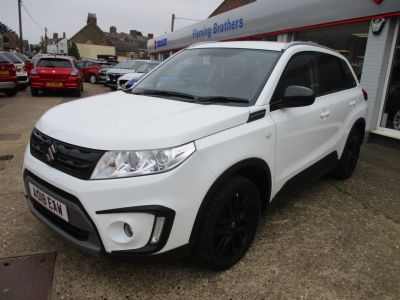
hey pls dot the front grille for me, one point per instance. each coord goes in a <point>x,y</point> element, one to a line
<point>114,77</point>
<point>73,160</point>
<point>77,233</point>
<point>22,78</point>
<point>80,226</point>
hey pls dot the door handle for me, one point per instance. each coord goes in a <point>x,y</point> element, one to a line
<point>353,103</point>
<point>325,114</point>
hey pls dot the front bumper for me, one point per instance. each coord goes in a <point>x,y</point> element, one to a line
<point>104,206</point>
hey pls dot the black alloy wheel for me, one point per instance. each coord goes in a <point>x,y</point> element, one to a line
<point>230,224</point>
<point>349,159</point>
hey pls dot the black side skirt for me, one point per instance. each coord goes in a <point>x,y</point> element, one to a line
<point>308,176</point>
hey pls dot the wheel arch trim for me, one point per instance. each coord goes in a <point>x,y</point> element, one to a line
<point>234,169</point>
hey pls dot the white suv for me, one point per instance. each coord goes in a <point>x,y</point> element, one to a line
<point>191,157</point>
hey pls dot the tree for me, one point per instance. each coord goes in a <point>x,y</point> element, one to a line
<point>73,50</point>
<point>4,28</point>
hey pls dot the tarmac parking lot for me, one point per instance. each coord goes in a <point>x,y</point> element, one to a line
<point>332,240</point>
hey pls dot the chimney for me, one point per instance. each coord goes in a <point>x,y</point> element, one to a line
<point>55,37</point>
<point>133,33</point>
<point>150,36</point>
<point>113,29</point>
<point>91,18</point>
<point>63,35</point>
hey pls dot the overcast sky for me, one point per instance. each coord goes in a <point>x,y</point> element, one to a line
<point>69,16</point>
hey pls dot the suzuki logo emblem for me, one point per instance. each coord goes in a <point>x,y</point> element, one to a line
<point>51,151</point>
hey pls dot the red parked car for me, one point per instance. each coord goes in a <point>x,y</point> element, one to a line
<point>8,76</point>
<point>56,73</point>
<point>91,69</point>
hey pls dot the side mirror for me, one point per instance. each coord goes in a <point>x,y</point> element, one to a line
<point>297,96</point>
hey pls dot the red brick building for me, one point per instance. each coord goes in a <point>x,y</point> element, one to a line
<point>228,5</point>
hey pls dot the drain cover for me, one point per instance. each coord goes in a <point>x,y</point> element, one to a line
<point>27,277</point>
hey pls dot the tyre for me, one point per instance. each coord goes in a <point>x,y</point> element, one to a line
<point>78,91</point>
<point>396,120</point>
<point>11,93</point>
<point>230,223</point>
<point>92,78</point>
<point>34,92</point>
<point>351,152</point>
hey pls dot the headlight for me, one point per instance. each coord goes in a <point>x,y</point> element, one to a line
<point>114,164</point>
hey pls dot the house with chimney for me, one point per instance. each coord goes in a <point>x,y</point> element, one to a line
<point>92,41</point>
<point>57,45</point>
<point>131,45</point>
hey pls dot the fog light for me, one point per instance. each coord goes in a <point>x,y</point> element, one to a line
<point>158,227</point>
<point>128,230</point>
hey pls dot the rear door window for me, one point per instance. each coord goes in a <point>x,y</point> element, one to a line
<point>349,80</point>
<point>335,74</point>
<point>54,63</point>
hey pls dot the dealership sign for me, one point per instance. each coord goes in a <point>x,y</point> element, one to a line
<point>272,18</point>
<point>160,43</point>
<point>217,28</point>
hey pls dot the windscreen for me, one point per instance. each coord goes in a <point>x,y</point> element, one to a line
<point>54,63</point>
<point>129,64</point>
<point>147,67</point>
<point>211,73</point>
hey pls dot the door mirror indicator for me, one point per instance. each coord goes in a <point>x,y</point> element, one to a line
<point>297,96</point>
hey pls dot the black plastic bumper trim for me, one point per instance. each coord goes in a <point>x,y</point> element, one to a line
<point>157,211</point>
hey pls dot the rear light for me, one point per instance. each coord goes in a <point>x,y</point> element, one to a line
<point>34,72</point>
<point>365,94</point>
<point>25,67</point>
<point>74,73</point>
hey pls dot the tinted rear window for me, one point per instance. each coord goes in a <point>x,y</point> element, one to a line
<point>54,63</point>
<point>349,80</point>
<point>15,59</point>
<point>22,56</point>
<point>335,74</point>
<point>4,59</point>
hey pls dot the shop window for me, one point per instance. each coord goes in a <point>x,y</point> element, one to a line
<point>348,39</point>
<point>391,112</point>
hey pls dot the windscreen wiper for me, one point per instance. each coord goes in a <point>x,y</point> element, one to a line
<point>164,93</point>
<point>222,99</point>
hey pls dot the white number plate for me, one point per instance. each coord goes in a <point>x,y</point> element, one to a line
<point>53,205</point>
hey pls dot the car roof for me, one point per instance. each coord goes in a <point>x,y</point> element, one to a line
<point>57,57</point>
<point>261,45</point>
